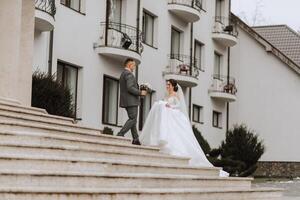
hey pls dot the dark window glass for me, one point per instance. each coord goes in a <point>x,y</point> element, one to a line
<point>68,75</point>
<point>110,101</point>
<point>148,28</point>
<point>74,4</point>
<point>217,119</point>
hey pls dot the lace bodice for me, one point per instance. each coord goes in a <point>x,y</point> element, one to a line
<point>173,102</point>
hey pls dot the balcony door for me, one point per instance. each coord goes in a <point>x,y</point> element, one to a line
<point>115,11</point>
<point>217,66</point>
<point>175,43</point>
<point>219,12</point>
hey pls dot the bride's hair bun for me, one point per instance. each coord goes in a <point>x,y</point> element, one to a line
<point>174,84</point>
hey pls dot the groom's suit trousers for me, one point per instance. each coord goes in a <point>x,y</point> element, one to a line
<point>130,124</point>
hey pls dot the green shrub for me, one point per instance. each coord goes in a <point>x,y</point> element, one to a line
<point>215,153</point>
<point>239,153</point>
<point>51,95</point>
<point>108,131</point>
<point>242,144</point>
<point>201,140</point>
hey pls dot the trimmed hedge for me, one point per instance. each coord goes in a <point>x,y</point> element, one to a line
<point>51,95</point>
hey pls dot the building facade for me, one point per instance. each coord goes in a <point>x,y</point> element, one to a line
<point>197,42</point>
<point>268,96</point>
<point>86,42</point>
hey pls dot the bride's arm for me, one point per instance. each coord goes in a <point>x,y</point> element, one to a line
<point>173,103</point>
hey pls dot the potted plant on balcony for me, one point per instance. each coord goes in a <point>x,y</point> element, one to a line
<point>184,68</point>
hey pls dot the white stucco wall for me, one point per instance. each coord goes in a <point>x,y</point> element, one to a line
<point>268,99</point>
<point>74,35</point>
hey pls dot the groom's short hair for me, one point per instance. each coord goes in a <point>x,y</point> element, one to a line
<point>128,60</point>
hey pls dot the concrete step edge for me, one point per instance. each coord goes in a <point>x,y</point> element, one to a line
<point>47,190</point>
<point>12,105</point>
<point>62,137</point>
<point>82,149</point>
<point>70,121</point>
<point>106,161</point>
<point>62,129</point>
<point>41,173</point>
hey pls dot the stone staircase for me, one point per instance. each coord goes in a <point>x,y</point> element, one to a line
<point>45,157</point>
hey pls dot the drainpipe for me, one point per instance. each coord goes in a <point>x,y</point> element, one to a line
<point>107,20</point>
<point>137,35</point>
<point>50,55</point>
<point>228,77</point>
<point>191,66</point>
<point>138,26</point>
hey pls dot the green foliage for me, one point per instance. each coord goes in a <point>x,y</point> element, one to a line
<point>108,131</point>
<point>239,153</point>
<point>51,95</point>
<point>242,144</point>
<point>202,141</point>
<point>215,153</point>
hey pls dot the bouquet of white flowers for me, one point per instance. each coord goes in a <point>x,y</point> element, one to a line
<point>146,87</point>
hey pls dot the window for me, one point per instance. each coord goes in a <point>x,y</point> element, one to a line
<point>217,119</point>
<point>198,55</point>
<point>175,42</point>
<point>148,28</point>
<point>73,4</point>
<point>219,8</point>
<point>110,101</point>
<point>198,114</point>
<point>217,66</point>
<point>145,106</point>
<point>115,11</point>
<point>68,75</point>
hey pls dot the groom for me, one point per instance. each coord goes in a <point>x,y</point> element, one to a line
<point>130,99</point>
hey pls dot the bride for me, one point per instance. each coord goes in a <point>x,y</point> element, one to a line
<point>168,127</point>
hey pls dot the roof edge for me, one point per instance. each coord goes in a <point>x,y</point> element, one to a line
<point>268,46</point>
<point>278,25</point>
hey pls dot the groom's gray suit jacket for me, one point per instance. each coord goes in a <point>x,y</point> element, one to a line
<point>129,90</point>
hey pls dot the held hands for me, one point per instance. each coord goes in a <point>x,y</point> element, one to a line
<point>143,92</point>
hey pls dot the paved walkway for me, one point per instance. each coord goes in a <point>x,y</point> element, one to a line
<point>292,187</point>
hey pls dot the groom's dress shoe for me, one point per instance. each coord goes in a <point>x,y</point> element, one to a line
<point>136,142</point>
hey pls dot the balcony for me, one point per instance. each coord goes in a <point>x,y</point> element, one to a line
<point>44,15</point>
<point>188,10</point>
<point>223,88</point>
<point>225,31</point>
<point>183,69</point>
<point>119,41</point>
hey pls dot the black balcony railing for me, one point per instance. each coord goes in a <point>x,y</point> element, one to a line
<point>121,36</point>
<point>182,65</point>
<point>225,25</point>
<point>224,84</point>
<point>47,6</point>
<point>196,4</point>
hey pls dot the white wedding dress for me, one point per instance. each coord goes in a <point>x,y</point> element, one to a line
<point>170,129</point>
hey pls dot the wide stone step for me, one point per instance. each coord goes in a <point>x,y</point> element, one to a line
<point>63,142</point>
<point>38,120</point>
<point>33,193</point>
<point>7,126</point>
<point>32,112</point>
<point>30,162</point>
<point>69,179</point>
<point>12,148</point>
